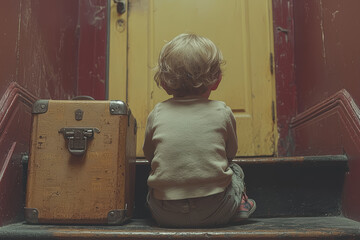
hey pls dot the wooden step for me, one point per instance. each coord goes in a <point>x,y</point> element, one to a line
<point>339,160</point>
<point>323,159</point>
<point>253,229</point>
<point>281,186</point>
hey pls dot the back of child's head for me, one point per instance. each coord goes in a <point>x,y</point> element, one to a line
<point>188,65</point>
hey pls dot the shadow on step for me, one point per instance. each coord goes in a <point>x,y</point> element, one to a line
<point>281,187</point>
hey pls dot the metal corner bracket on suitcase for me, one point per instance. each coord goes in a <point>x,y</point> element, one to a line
<point>32,215</point>
<point>116,217</point>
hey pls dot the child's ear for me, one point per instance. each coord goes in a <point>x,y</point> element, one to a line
<point>216,84</point>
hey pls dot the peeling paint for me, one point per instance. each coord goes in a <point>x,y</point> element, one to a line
<point>334,15</point>
<point>17,47</point>
<point>322,31</point>
<point>27,15</point>
<point>97,15</point>
<point>307,10</point>
<point>61,43</point>
<point>41,66</point>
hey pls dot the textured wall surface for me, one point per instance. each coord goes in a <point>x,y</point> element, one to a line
<point>327,49</point>
<point>39,46</point>
<point>92,48</point>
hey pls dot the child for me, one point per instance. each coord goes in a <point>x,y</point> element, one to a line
<point>191,140</point>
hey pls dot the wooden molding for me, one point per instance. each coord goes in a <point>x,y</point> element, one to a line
<point>340,101</point>
<point>333,127</point>
<point>15,124</point>
<point>339,106</point>
<point>14,95</point>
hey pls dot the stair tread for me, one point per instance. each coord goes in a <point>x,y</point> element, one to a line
<point>255,228</point>
<point>325,159</point>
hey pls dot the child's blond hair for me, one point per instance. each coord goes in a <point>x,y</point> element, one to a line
<point>188,65</point>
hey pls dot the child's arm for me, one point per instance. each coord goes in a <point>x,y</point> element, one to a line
<point>148,146</point>
<point>231,142</point>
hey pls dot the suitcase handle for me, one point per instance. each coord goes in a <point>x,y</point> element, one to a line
<point>83,98</point>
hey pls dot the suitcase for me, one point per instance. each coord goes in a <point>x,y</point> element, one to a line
<point>82,163</point>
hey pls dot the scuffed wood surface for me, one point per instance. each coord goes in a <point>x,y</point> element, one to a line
<point>267,228</point>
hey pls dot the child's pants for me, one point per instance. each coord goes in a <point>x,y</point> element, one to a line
<point>213,210</point>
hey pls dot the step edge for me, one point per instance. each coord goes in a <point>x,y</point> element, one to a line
<point>86,232</point>
<point>338,159</point>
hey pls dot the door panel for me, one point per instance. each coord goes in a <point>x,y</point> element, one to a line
<point>240,28</point>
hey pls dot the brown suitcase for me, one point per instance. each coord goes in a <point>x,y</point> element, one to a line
<point>82,162</point>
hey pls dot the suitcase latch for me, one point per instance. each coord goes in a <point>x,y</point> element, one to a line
<point>77,138</point>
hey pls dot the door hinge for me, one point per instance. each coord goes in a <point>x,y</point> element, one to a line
<point>271,63</point>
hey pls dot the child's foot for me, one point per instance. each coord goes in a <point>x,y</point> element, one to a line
<point>246,208</point>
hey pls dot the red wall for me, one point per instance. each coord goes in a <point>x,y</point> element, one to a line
<point>92,48</point>
<point>327,49</point>
<point>39,46</point>
<point>327,73</point>
<point>42,45</point>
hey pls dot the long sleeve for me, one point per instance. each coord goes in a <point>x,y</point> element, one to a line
<point>148,146</point>
<point>231,142</point>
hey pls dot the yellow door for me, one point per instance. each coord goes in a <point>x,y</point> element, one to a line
<point>242,29</point>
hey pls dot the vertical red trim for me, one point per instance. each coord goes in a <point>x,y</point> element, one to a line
<point>284,71</point>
